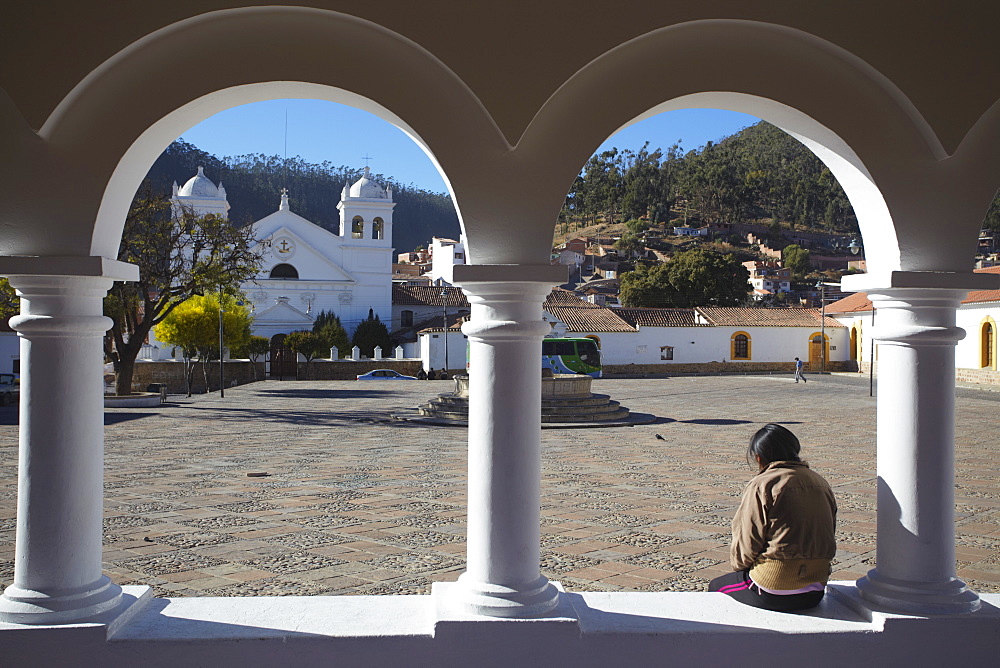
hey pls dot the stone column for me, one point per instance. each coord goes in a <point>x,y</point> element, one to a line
<point>57,568</point>
<point>502,576</point>
<point>916,332</point>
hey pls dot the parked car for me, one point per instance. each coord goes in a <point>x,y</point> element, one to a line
<point>10,388</point>
<point>384,374</point>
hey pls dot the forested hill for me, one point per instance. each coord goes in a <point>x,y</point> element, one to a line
<point>755,174</point>
<point>253,184</point>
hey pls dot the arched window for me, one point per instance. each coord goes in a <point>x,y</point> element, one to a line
<point>284,271</point>
<point>377,226</point>
<point>855,352</point>
<point>988,344</point>
<point>739,346</point>
<point>406,319</point>
<point>358,227</point>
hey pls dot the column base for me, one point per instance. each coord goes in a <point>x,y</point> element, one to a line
<point>482,598</point>
<point>951,597</point>
<point>26,606</point>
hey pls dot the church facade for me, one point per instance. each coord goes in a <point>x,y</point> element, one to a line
<point>307,269</point>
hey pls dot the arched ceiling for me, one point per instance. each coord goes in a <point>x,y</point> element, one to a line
<point>515,54</point>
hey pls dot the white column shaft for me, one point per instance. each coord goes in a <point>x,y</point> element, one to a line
<point>505,332</point>
<point>57,571</point>
<point>915,562</point>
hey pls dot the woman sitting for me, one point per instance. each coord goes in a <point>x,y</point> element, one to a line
<point>783,532</point>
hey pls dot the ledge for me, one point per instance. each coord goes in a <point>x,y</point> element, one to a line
<point>84,266</point>
<point>135,400</point>
<point>591,629</point>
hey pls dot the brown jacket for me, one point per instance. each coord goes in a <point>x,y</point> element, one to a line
<point>784,529</point>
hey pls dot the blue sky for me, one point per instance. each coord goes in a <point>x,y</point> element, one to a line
<point>320,131</point>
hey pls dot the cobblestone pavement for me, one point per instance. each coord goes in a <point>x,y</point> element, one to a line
<point>357,503</point>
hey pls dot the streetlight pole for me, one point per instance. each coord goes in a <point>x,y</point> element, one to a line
<point>444,321</point>
<point>822,326</point>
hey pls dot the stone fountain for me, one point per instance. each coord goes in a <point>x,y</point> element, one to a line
<point>566,399</point>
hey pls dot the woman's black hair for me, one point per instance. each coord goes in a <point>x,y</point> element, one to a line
<point>773,443</point>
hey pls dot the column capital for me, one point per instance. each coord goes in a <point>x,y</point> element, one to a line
<point>928,280</point>
<point>549,274</point>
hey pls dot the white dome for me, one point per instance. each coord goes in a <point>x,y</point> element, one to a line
<point>199,185</point>
<point>367,187</point>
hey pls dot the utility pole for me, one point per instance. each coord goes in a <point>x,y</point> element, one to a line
<point>222,374</point>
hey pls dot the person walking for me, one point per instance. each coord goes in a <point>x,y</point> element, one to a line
<point>784,531</point>
<point>798,371</point>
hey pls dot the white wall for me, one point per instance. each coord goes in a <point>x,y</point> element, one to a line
<point>431,346</point>
<point>712,344</point>
<point>970,318</point>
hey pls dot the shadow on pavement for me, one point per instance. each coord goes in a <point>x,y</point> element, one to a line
<point>325,394</point>
<point>716,421</point>
<point>115,418</point>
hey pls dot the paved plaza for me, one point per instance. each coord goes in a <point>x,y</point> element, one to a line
<point>354,502</point>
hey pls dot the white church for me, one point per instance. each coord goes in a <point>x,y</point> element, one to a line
<point>307,269</point>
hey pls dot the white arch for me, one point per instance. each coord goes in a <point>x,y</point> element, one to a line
<point>122,115</point>
<point>134,164</point>
<point>890,162</point>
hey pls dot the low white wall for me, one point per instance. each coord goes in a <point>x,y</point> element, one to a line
<point>693,345</point>
<point>588,629</point>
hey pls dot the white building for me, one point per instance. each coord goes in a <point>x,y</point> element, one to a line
<point>445,254</point>
<point>768,277</point>
<point>307,269</point>
<point>418,316</point>
<point>662,339</point>
<point>975,354</point>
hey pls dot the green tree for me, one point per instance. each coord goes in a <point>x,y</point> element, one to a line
<point>370,333</point>
<point>10,303</point>
<point>179,256</point>
<point>253,349</point>
<point>628,244</point>
<point>636,226</point>
<point>692,278</point>
<point>328,327</point>
<point>307,344</point>
<point>796,258</point>
<point>193,326</point>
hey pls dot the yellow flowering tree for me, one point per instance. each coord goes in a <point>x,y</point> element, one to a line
<point>193,326</point>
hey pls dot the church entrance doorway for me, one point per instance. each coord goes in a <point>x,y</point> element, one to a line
<point>283,360</point>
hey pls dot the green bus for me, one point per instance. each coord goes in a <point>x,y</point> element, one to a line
<point>572,356</point>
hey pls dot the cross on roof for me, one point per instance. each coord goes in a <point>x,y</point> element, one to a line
<point>284,191</point>
<point>366,158</point>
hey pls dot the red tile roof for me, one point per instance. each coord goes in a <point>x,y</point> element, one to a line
<point>859,302</point>
<point>742,316</point>
<point>427,295</point>
<point>455,321</point>
<point>853,303</point>
<point>981,296</point>
<point>562,297</point>
<point>584,319</point>
<point>659,317</point>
